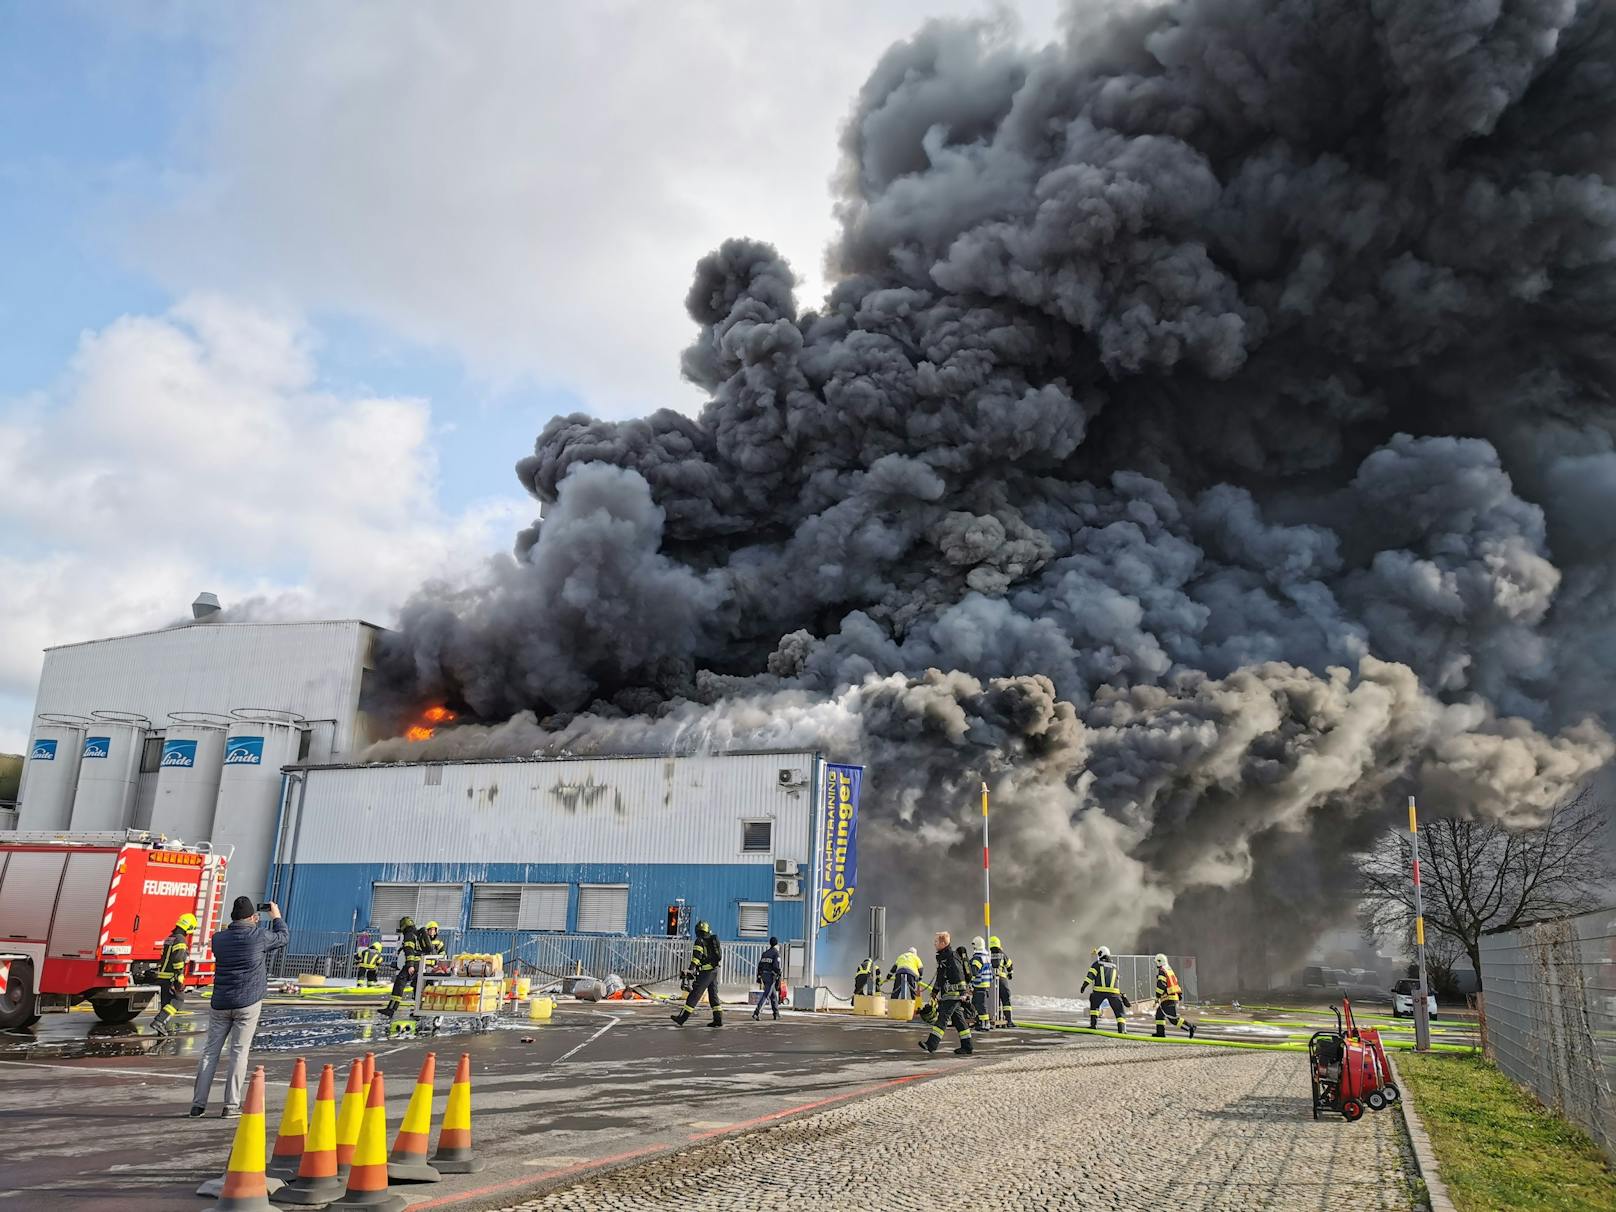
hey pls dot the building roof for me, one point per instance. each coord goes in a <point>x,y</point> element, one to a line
<point>196,625</point>
<point>662,756</point>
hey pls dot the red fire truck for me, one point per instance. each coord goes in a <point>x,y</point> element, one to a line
<point>83,917</point>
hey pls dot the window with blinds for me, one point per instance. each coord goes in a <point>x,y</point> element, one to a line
<point>519,907</point>
<point>754,921</point>
<point>757,837</point>
<point>603,908</point>
<point>424,902</point>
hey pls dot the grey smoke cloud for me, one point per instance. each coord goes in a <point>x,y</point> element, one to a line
<point>1199,442</point>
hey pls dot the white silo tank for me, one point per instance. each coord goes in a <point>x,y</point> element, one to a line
<point>188,775</point>
<point>109,770</point>
<point>257,745</point>
<point>50,775</point>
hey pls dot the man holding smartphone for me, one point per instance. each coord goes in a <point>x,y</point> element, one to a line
<point>240,980</point>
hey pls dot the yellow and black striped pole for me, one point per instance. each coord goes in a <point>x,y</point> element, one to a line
<point>1422,1007</point>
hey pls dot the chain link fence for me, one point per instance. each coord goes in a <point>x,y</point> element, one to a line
<point>638,960</point>
<point>1136,976</point>
<point>1550,1015</point>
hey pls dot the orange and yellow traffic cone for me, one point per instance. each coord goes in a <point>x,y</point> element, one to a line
<point>367,1178</point>
<point>352,1116</point>
<point>454,1154</point>
<point>245,1188</point>
<point>288,1151</point>
<point>407,1162</point>
<point>370,1072</point>
<point>317,1181</point>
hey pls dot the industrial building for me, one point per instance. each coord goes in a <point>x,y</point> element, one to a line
<point>245,735</point>
<point>185,730</point>
<point>567,846</point>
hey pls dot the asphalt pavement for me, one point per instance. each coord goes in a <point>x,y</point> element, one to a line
<point>96,1115</point>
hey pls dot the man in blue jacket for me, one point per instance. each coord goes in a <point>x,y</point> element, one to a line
<point>240,980</point>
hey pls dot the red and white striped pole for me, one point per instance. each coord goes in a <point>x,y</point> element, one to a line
<point>1422,1007</point>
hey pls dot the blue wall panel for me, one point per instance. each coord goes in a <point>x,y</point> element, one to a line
<point>328,896</point>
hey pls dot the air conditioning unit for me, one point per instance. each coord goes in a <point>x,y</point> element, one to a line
<point>787,886</point>
<point>792,778</point>
<point>786,867</point>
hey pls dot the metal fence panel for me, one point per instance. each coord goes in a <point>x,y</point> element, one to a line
<point>1550,1007</point>
<point>1136,975</point>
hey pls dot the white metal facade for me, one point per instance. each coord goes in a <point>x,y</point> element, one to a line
<point>314,669</point>
<point>578,810</point>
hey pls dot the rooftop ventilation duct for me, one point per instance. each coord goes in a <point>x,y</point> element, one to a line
<point>205,607</point>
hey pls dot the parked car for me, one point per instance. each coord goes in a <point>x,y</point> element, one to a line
<point>1403,993</point>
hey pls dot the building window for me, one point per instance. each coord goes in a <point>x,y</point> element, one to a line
<point>603,909</point>
<point>424,902</point>
<point>151,755</point>
<point>434,775</point>
<point>757,837</point>
<point>754,921</point>
<point>519,907</point>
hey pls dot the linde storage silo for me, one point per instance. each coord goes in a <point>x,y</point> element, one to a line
<point>188,775</point>
<point>50,776</point>
<point>257,745</point>
<point>109,770</point>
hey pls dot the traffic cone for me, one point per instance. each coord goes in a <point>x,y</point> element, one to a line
<point>352,1116</point>
<point>407,1162</point>
<point>245,1187</point>
<point>317,1181</point>
<point>367,1178</point>
<point>370,1072</point>
<point>454,1154</point>
<point>289,1140</point>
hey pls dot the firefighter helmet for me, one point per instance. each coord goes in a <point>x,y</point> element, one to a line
<point>1161,961</point>
<point>406,923</point>
<point>432,925</point>
<point>993,942</point>
<point>187,922</point>
<point>1103,952</point>
<point>703,927</point>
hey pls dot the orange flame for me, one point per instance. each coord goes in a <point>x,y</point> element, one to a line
<point>430,718</point>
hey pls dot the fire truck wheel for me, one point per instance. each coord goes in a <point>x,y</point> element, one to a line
<point>17,998</point>
<point>116,1009</point>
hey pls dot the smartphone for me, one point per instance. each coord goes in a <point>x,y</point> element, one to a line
<point>264,908</point>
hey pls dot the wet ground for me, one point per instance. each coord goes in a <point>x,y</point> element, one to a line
<point>96,1116</point>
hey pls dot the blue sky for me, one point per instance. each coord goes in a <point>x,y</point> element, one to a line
<point>289,287</point>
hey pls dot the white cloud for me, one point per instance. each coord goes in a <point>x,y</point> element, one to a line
<point>197,450</point>
<point>526,185</point>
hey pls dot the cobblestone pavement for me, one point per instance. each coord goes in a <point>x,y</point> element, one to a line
<point>1093,1124</point>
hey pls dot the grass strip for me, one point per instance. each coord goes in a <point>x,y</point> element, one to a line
<point>1497,1147</point>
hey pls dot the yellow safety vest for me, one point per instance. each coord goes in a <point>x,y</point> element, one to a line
<point>1167,986</point>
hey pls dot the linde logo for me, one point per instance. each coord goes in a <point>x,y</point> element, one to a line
<point>179,753</point>
<point>244,751</point>
<point>168,888</point>
<point>43,751</point>
<point>97,746</point>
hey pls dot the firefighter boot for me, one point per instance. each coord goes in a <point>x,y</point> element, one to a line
<point>929,1044</point>
<point>1122,1027</point>
<point>1161,1031</point>
<point>1094,1022</point>
<point>683,1017</point>
<point>718,1019</point>
<point>1008,1020</point>
<point>1190,1027</point>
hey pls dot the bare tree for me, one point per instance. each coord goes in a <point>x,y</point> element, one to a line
<point>1480,878</point>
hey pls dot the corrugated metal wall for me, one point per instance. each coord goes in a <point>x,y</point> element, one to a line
<point>310,668</point>
<point>577,810</point>
<point>669,828</point>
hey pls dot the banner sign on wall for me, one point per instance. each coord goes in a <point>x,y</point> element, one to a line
<point>838,842</point>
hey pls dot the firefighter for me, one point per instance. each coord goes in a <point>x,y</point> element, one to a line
<point>864,978</point>
<point>432,946</point>
<point>981,971</point>
<point>1005,968</point>
<point>368,959</point>
<point>703,974</point>
<point>171,973</point>
<point>1168,993</point>
<point>1102,974</point>
<point>409,964</point>
<point>953,991</point>
<point>905,974</point>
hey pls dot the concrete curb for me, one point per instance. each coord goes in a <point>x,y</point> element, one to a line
<point>1424,1155</point>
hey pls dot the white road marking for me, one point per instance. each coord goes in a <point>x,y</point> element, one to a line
<point>88,1072</point>
<point>611,1021</point>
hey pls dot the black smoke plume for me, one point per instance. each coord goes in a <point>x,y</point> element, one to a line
<point>1208,440</point>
